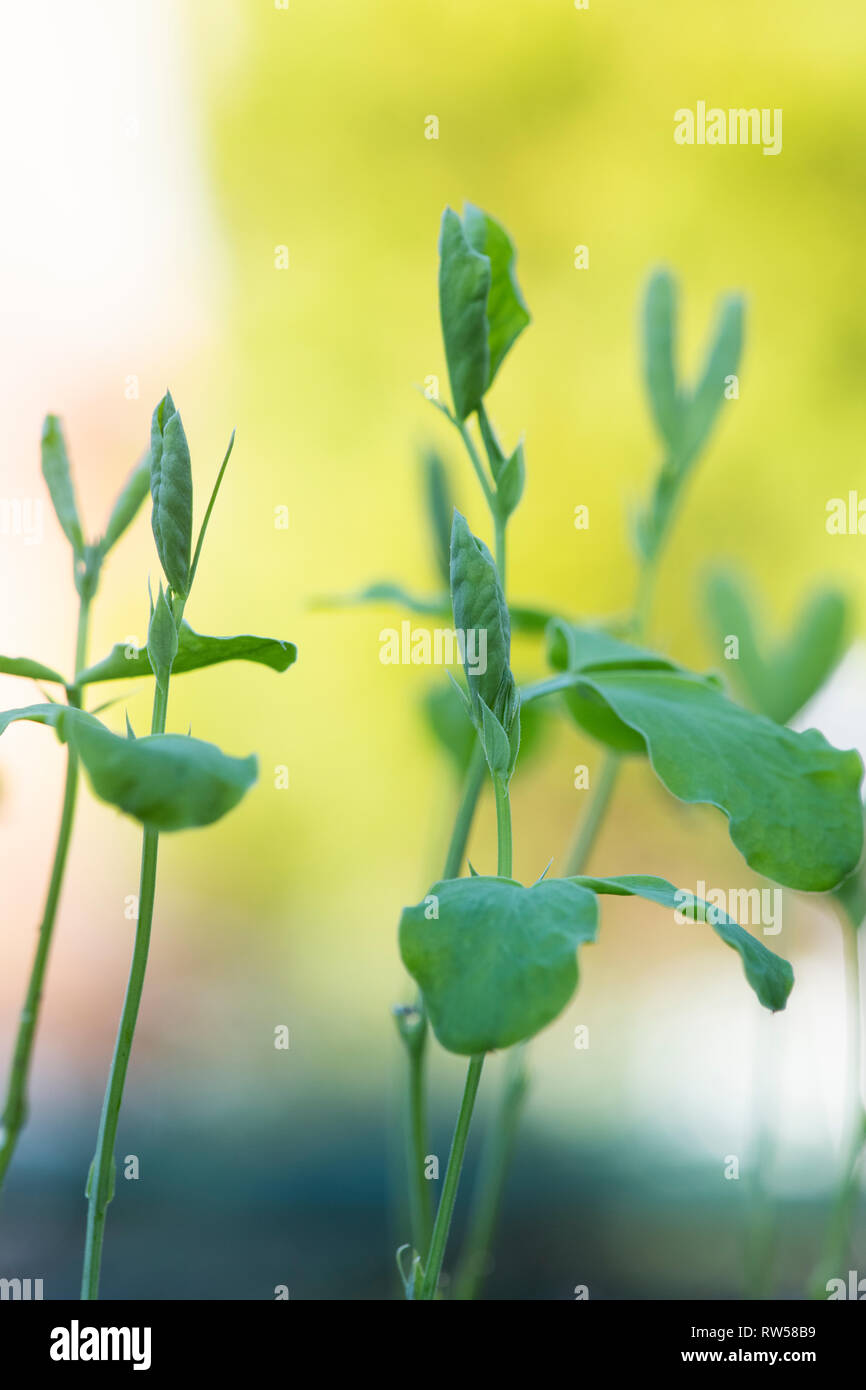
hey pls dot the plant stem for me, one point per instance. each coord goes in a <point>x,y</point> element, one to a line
<point>420,1199</point>
<point>100,1186</point>
<point>592,821</point>
<point>445,1210</point>
<point>503,829</point>
<point>492,1173</point>
<point>837,1237</point>
<point>15,1108</point>
<point>501,550</point>
<point>476,463</point>
<point>500,1138</point>
<point>473,782</point>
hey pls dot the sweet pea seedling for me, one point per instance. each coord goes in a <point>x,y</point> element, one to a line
<point>779,680</point>
<point>88,560</point>
<point>497,961</point>
<point>165,781</point>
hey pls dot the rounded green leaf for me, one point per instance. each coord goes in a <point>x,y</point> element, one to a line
<point>792,800</point>
<point>496,962</point>
<point>165,781</point>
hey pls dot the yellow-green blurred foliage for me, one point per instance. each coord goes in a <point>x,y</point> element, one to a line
<point>310,124</point>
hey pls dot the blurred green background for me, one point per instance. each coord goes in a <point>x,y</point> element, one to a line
<point>162,157</point>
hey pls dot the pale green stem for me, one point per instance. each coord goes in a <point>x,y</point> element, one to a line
<point>476,463</point>
<point>430,1281</point>
<point>837,1238</point>
<point>499,1142</point>
<point>100,1186</point>
<point>492,1173</point>
<point>16,1108</point>
<point>472,785</point>
<point>591,824</point>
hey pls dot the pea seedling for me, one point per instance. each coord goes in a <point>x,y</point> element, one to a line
<point>88,560</point>
<point>166,782</point>
<point>780,681</point>
<point>495,961</point>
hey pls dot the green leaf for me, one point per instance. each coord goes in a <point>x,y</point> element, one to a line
<point>480,303</point>
<point>507,314</point>
<point>454,731</point>
<point>171,489</point>
<point>792,800</point>
<point>58,476</point>
<point>126,507</point>
<point>450,724</point>
<point>499,962</point>
<point>162,640</point>
<point>166,781</point>
<point>386,592</point>
<point>779,680</point>
<point>511,481</point>
<point>683,417</point>
<point>209,509</point>
<point>34,670</point>
<point>497,748</point>
<point>723,360</point>
<point>769,975</point>
<point>659,346</point>
<point>524,617</point>
<point>479,608</point>
<point>194,652</point>
<point>464,284</point>
<point>440,509</point>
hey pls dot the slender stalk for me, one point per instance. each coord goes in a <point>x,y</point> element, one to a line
<point>100,1186</point>
<point>15,1108</point>
<point>492,1173</point>
<point>591,824</point>
<point>503,829</point>
<point>420,1198</point>
<point>445,1211</point>
<point>501,1136</point>
<point>837,1237</point>
<point>476,464</point>
<point>501,547</point>
<point>472,785</point>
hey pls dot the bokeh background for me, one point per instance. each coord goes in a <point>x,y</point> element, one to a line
<point>154,156</point>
